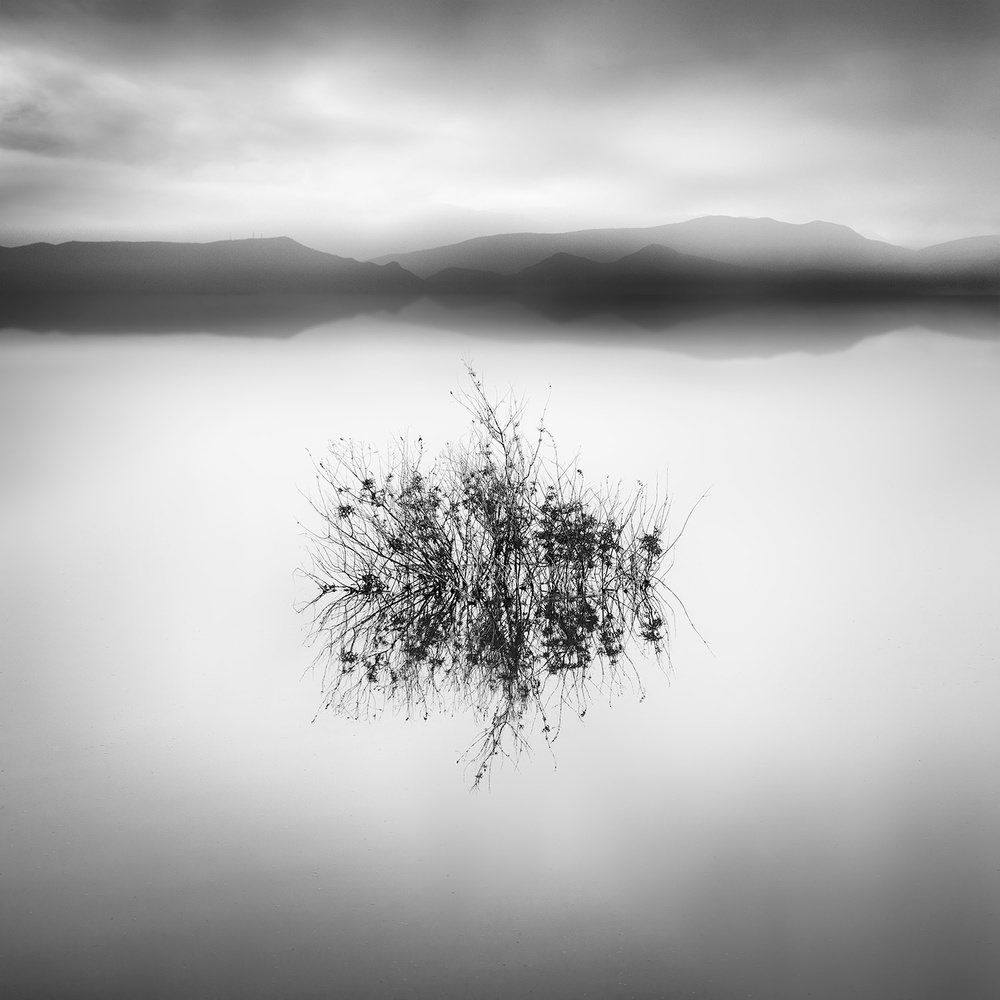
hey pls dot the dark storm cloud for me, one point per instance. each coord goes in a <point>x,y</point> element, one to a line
<point>892,23</point>
<point>733,27</point>
<point>926,49</point>
<point>590,45</point>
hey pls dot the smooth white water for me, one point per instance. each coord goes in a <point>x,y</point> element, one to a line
<point>808,809</point>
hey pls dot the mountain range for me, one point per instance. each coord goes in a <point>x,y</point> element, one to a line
<point>264,266</point>
<point>715,259</point>
<point>756,243</point>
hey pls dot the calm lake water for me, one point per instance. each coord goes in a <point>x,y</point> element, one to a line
<point>808,808</point>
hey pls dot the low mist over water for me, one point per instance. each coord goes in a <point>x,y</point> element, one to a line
<point>805,807</point>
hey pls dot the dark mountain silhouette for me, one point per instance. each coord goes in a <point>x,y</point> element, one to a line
<point>972,264</point>
<point>752,242</point>
<point>974,251</point>
<point>764,244</point>
<point>653,270</point>
<point>570,285</point>
<point>616,273</point>
<point>654,295</point>
<point>264,266</point>
<point>466,280</point>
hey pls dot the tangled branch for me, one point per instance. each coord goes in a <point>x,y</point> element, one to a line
<point>490,577</point>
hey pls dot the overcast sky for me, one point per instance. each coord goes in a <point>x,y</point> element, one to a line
<point>366,126</point>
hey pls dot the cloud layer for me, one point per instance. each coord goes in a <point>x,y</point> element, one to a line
<point>361,126</point>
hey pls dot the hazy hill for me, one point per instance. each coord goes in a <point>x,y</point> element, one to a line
<point>466,280</point>
<point>264,266</point>
<point>976,253</point>
<point>658,272</point>
<point>652,271</point>
<point>751,242</point>
<point>713,256</point>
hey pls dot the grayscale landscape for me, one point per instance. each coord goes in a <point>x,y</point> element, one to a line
<point>499,500</point>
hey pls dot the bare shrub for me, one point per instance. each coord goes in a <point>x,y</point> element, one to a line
<point>491,576</point>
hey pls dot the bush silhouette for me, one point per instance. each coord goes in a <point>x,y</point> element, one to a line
<point>490,577</point>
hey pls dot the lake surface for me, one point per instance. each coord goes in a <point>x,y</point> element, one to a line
<point>809,807</point>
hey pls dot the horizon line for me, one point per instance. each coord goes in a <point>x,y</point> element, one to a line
<point>258,236</point>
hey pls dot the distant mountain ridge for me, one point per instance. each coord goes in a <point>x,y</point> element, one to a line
<point>714,257</point>
<point>257,266</point>
<point>658,272</point>
<point>762,243</point>
<point>956,255</point>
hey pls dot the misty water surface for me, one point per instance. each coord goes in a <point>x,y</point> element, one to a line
<point>807,809</point>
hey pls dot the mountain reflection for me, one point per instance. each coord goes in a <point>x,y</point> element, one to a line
<point>493,579</point>
<point>703,327</point>
<point>710,328</point>
<point>240,315</point>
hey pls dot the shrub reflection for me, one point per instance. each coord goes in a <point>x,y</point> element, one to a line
<point>491,577</point>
